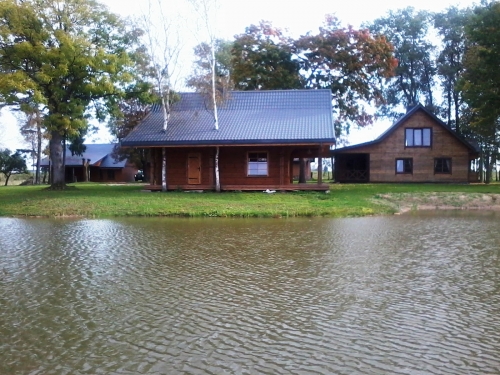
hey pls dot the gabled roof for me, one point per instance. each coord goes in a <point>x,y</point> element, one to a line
<point>245,117</point>
<point>400,121</point>
<point>99,155</point>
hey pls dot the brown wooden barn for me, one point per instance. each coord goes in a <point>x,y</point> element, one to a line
<point>417,148</point>
<point>98,163</point>
<point>260,133</point>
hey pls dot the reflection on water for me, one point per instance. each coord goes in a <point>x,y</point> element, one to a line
<point>416,294</point>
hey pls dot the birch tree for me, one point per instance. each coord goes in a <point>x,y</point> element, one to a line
<point>163,44</point>
<point>206,11</point>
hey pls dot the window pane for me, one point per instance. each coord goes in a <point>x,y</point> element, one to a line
<point>427,137</point>
<point>408,165</point>
<point>257,164</point>
<point>442,165</point>
<point>447,166</point>
<point>417,137</point>
<point>409,137</point>
<point>399,166</point>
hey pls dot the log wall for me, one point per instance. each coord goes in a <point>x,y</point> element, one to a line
<point>233,165</point>
<point>383,155</point>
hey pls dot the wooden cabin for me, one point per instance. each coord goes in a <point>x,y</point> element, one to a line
<point>259,134</point>
<point>419,147</point>
<point>98,163</point>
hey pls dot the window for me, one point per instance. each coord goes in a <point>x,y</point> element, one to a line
<point>442,165</point>
<point>257,163</point>
<point>404,166</point>
<point>420,137</point>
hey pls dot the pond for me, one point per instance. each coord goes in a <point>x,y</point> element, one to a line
<point>409,294</point>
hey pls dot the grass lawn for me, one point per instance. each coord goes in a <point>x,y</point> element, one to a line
<point>343,200</point>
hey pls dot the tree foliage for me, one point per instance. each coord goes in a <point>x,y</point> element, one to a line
<point>481,79</point>
<point>450,26</point>
<point>11,163</point>
<point>201,79</point>
<point>352,63</point>
<point>262,59</point>
<point>66,56</point>
<point>133,111</point>
<point>407,30</point>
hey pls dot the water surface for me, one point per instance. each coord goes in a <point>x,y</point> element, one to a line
<point>416,294</point>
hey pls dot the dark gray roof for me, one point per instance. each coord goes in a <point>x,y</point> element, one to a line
<point>96,153</point>
<point>402,119</point>
<point>245,117</point>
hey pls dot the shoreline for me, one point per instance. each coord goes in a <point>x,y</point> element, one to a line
<point>90,200</point>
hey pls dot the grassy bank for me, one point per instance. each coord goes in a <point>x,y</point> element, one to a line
<point>98,200</point>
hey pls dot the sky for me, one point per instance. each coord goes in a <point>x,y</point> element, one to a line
<point>233,16</point>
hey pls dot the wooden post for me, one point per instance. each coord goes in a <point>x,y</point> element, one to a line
<point>152,164</point>
<point>282,166</point>
<point>320,170</point>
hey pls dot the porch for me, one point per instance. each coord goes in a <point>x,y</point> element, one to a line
<point>225,187</point>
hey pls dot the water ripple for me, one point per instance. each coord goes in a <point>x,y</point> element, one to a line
<point>399,295</point>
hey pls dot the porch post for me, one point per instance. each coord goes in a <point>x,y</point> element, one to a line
<point>282,165</point>
<point>320,170</point>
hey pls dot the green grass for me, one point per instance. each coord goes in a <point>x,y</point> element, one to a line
<point>99,200</point>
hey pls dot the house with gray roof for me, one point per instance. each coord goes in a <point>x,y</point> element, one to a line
<point>418,147</point>
<point>259,134</point>
<point>98,163</point>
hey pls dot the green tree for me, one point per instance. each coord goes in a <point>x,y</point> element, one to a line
<point>11,163</point>
<point>407,30</point>
<point>481,79</point>
<point>201,80</point>
<point>450,26</point>
<point>132,112</point>
<point>263,60</point>
<point>352,63</point>
<point>66,55</point>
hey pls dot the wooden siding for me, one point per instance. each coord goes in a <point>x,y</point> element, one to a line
<point>383,155</point>
<point>233,167</point>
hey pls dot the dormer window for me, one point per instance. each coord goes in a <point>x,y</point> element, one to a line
<point>418,137</point>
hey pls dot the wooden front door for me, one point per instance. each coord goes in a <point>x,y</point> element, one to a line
<point>194,168</point>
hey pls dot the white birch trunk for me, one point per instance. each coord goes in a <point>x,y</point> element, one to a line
<point>163,169</point>
<point>166,110</point>
<point>217,178</point>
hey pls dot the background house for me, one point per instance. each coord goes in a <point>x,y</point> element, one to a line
<point>417,148</point>
<point>260,133</point>
<point>98,162</point>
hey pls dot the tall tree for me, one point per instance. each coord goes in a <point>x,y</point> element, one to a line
<point>11,163</point>
<point>263,59</point>
<point>450,26</point>
<point>352,63</point>
<point>481,79</point>
<point>67,55</point>
<point>407,30</point>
